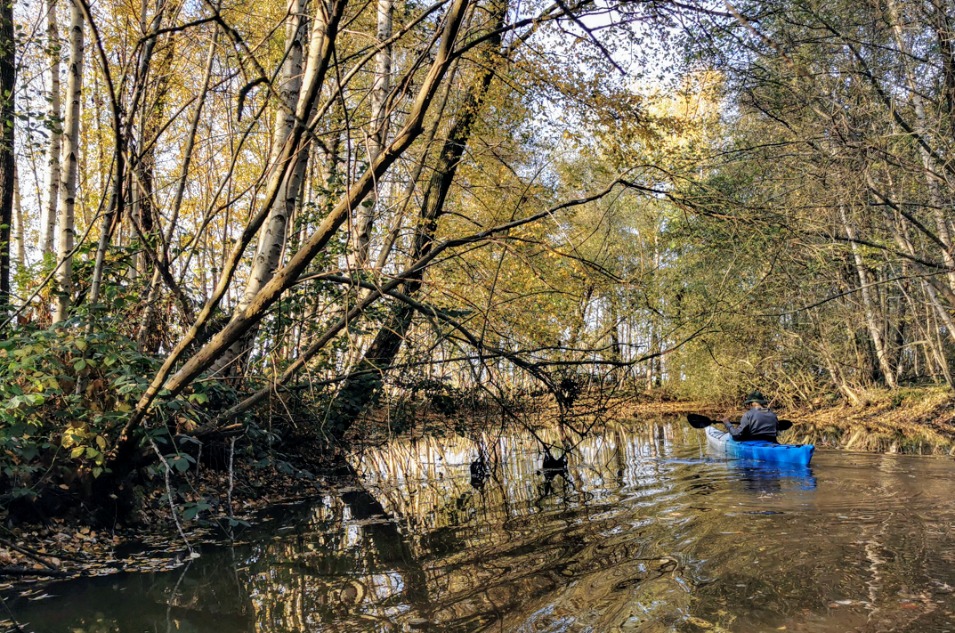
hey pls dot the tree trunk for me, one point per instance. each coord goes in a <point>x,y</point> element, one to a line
<point>872,320</point>
<point>147,339</point>
<point>274,233</point>
<point>48,213</point>
<point>613,327</point>
<point>378,133</point>
<point>362,386</point>
<point>68,171</point>
<point>19,232</point>
<point>937,349</point>
<point>8,54</point>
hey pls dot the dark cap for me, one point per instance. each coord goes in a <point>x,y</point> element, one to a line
<point>755,396</point>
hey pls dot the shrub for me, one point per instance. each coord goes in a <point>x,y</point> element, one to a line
<point>64,393</point>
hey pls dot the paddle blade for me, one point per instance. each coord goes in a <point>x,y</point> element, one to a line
<point>782,425</point>
<point>698,421</point>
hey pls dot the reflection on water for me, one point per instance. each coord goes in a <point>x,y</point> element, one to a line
<point>639,529</point>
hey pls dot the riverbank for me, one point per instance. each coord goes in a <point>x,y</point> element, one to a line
<point>918,421</point>
<point>163,533</point>
<point>217,504</point>
<point>908,420</point>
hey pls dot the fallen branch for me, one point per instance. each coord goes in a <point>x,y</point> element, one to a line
<point>26,571</point>
<point>28,553</point>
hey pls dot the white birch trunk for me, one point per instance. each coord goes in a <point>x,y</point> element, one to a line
<point>17,233</point>
<point>379,130</point>
<point>48,211</point>
<point>272,237</point>
<point>67,192</point>
<point>274,232</point>
<point>872,320</point>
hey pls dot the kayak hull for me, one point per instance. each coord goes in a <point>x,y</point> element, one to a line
<point>795,454</point>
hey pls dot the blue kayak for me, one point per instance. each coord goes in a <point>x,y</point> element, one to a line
<point>759,450</point>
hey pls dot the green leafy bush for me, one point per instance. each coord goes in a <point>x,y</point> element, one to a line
<point>64,394</point>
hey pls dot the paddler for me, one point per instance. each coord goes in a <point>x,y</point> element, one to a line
<point>759,423</point>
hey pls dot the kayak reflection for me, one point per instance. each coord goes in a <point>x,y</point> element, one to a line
<point>766,477</point>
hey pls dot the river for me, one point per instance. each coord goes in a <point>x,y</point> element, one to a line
<point>644,531</point>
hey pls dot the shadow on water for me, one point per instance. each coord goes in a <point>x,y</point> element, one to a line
<point>636,528</point>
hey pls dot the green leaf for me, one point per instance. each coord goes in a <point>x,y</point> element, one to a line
<point>36,399</point>
<point>190,513</point>
<point>180,463</point>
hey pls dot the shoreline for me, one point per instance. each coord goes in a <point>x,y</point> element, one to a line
<point>914,421</point>
<point>911,421</point>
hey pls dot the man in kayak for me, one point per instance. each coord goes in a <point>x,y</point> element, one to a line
<point>759,423</point>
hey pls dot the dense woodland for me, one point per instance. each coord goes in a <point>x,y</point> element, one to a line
<point>219,215</point>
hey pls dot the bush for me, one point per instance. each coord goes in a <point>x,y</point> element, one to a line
<point>64,394</point>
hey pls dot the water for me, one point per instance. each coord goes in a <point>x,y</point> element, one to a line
<point>645,531</point>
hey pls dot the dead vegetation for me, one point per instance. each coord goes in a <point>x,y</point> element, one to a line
<point>907,420</point>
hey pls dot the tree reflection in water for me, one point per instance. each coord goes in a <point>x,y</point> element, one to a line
<point>635,528</point>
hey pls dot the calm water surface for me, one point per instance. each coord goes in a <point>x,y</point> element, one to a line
<point>644,531</point>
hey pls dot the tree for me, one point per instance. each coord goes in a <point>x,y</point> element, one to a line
<point>7,153</point>
<point>48,215</point>
<point>67,190</point>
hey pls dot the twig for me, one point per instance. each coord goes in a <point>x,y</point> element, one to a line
<point>231,477</point>
<point>28,552</point>
<point>172,501</point>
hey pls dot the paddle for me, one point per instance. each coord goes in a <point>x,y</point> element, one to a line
<point>701,422</point>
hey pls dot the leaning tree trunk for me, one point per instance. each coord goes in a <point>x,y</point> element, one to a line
<point>274,233</point>
<point>67,192</point>
<point>362,386</point>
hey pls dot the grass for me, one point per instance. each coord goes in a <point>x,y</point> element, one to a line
<point>906,420</point>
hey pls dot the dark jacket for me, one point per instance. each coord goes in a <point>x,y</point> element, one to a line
<point>756,424</point>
